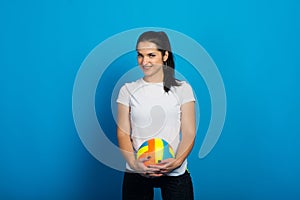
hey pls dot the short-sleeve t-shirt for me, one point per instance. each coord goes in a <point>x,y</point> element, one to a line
<point>155,113</point>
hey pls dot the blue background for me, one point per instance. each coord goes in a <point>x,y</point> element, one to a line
<point>255,45</point>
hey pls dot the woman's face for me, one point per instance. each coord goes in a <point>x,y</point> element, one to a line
<point>150,59</point>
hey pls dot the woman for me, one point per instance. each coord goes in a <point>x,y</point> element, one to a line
<point>156,106</point>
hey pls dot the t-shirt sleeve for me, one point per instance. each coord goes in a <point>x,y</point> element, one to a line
<point>187,93</point>
<point>123,96</point>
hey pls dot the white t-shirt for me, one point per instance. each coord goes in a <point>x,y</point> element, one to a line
<point>155,113</point>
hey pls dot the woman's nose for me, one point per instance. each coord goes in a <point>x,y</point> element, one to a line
<point>145,61</point>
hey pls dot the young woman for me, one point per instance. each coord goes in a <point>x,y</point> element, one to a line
<point>156,106</point>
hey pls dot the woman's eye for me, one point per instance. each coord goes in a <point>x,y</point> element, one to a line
<point>151,55</point>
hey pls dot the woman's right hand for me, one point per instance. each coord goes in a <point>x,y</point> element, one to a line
<point>146,171</point>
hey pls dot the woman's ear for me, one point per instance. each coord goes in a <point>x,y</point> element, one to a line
<point>165,57</point>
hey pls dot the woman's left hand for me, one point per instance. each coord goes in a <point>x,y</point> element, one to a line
<point>166,166</point>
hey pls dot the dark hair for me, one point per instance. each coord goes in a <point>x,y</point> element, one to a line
<point>162,42</point>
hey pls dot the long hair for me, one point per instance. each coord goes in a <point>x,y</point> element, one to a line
<point>162,42</point>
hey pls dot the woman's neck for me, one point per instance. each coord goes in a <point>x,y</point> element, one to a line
<point>157,77</point>
<point>154,79</point>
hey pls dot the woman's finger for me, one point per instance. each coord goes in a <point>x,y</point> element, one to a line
<point>144,159</point>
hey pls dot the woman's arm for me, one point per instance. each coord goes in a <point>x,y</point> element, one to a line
<point>188,130</point>
<point>125,144</point>
<point>123,134</point>
<point>186,144</point>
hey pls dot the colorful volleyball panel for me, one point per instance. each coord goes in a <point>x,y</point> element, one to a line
<point>158,150</point>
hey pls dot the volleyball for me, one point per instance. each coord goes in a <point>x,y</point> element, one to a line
<point>156,149</point>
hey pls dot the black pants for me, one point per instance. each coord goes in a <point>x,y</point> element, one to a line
<point>137,187</point>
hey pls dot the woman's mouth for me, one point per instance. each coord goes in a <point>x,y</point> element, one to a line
<point>147,67</point>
